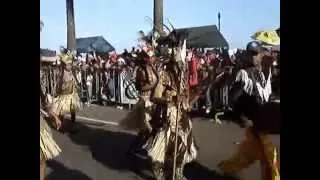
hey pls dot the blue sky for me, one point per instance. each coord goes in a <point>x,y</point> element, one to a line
<point>120,20</point>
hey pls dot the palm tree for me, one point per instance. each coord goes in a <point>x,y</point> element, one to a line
<point>71,35</point>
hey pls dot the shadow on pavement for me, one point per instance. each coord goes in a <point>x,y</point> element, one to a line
<point>61,172</point>
<point>195,171</point>
<point>110,148</point>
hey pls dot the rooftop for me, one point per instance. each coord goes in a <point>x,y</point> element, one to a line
<point>95,43</point>
<point>205,37</point>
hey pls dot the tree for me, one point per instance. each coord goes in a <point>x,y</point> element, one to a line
<point>71,33</point>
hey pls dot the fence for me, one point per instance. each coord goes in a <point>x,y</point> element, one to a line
<point>96,86</point>
<point>117,86</point>
<point>48,79</point>
<point>218,94</point>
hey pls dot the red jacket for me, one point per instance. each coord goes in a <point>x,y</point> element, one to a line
<point>193,72</point>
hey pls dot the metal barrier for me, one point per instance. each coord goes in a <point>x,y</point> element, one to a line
<point>114,85</point>
<point>224,89</point>
<point>218,93</point>
<point>48,79</point>
<point>120,87</point>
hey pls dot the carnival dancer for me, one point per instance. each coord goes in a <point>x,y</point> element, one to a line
<point>250,94</point>
<point>173,144</point>
<point>67,100</point>
<point>48,147</point>
<point>146,80</point>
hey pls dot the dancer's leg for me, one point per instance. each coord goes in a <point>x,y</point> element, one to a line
<point>73,117</point>
<point>42,166</point>
<point>73,128</point>
<point>158,171</point>
<point>244,157</point>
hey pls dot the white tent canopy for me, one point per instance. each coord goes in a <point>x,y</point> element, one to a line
<point>48,59</point>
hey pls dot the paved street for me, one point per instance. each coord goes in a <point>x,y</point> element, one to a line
<point>98,151</point>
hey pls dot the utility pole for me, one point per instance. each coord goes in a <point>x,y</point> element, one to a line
<point>71,31</point>
<point>158,15</point>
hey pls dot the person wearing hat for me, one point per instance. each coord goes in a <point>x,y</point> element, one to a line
<point>251,91</point>
<point>67,100</point>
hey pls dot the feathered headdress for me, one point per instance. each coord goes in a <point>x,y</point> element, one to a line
<point>67,58</point>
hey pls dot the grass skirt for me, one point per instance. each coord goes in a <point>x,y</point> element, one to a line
<point>48,146</point>
<point>139,118</point>
<point>66,103</point>
<point>161,147</point>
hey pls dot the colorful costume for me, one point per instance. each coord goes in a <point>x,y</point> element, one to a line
<point>162,109</point>
<point>171,95</point>
<point>67,100</point>
<point>146,80</point>
<point>255,147</point>
<point>256,91</point>
<point>141,116</point>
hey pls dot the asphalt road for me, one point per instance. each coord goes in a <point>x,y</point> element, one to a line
<point>98,150</point>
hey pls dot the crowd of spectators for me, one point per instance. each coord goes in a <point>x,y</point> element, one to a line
<point>98,73</point>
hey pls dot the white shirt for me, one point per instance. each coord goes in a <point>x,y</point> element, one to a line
<point>264,92</point>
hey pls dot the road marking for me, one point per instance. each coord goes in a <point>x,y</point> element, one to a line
<point>95,120</point>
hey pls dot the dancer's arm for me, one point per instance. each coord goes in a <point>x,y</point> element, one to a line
<point>48,109</point>
<point>53,116</point>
